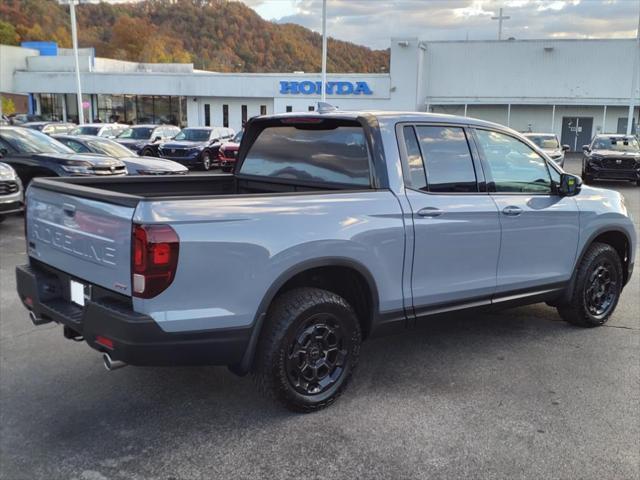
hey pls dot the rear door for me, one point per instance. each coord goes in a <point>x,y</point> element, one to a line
<point>455,222</point>
<point>539,228</point>
<point>88,239</point>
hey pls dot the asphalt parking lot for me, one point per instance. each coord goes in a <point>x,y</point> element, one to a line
<point>516,394</point>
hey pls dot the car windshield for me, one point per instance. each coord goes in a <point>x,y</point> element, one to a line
<point>238,137</point>
<point>137,133</point>
<point>32,141</point>
<point>85,130</point>
<point>109,147</point>
<point>546,142</point>
<point>193,134</point>
<point>619,144</point>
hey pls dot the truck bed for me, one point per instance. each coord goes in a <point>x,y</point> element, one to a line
<point>129,191</point>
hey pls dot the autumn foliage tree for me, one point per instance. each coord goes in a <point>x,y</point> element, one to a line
<point>219,35</point>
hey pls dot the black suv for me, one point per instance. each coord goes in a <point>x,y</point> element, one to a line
<point>612,157</point>
<point>144,139</point>
<point>33,154</point>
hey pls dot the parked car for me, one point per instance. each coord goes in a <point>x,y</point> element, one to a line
<point>228,153</point>
<point>11,198</point>
<point>34,154</point>
<point>549,144</point>
<point>136,165</point>
<point>196,146</point>
<point>50,128</point>
<point>611,157</point>
<point>144,139</point>
<point>108,130</point>
<point>334,227</point>
<point>20,118</point>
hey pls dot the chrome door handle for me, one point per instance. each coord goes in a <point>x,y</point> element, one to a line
<point>512,210</point>
<point>430,212</point>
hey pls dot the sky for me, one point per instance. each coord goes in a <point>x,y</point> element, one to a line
<point>374,22</point>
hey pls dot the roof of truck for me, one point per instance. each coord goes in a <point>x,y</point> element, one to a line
<point>392,116</point>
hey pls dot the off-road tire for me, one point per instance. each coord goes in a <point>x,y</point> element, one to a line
<point>577,311</point>
<point>298,311</point>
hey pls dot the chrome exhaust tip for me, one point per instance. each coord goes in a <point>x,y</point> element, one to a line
<point>111,364</point>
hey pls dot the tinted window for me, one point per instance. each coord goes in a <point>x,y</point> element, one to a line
<point>337,155</point>
<point>194,134</point>
<point>85,130</point>
<point>416,168</point>
<point>138,133</point>
<point>31,141</point>
<point>447,159</point>
<point>75,146</point>
<point>514,167</point>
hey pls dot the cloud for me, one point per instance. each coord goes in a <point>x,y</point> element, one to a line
<point>373,22</point>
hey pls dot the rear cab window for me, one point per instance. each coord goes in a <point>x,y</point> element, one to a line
<point>439,159</point>
<point>311,152</point>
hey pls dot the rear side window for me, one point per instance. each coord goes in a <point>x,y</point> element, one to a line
<point>416,168</point>
<point>324,155</point>
<point>447,159</point>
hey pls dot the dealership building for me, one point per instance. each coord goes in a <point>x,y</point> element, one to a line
<point>575,88</point>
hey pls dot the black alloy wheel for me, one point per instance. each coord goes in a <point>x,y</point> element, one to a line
<point>317,354</point>
<point>601,289</point>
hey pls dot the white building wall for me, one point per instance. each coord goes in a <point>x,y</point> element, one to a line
<point>12,59</point>
<point>530,71</point>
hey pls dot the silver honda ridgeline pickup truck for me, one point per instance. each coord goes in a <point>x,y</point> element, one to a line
<point>334,227</point>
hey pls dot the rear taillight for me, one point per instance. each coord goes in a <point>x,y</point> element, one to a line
<point>154,259</point>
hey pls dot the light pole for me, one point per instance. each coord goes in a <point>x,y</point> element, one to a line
<point>635,74</point>
<point>74,41</point>
<point>324,51</point>
<point>500,18</point>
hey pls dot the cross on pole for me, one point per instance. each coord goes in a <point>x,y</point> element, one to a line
<point>500,18</point>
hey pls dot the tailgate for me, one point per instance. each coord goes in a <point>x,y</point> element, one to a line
<point>88,239</point>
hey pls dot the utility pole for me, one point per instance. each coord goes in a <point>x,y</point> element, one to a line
<point>500,18</point>
<point>324,50</point>
<point>74,40</point>
<point>635,78</point>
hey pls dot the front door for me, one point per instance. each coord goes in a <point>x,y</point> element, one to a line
<point>540,229</point>
<point>576,131</point>
<point>456,227</point>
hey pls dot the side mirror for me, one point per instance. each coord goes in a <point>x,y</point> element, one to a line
<point>586,148</point>
<point>157,139</point>
<point>566,148</point>
<point>570,185</point>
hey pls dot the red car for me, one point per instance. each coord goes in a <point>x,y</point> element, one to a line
<point>228,153</point>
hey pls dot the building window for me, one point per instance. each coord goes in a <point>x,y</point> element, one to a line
<point>289,108</point>
<point>311,108</point>
<point>225,115</point>
<point>207,115</point>
<point>263,109</point>
<point>244,115</point>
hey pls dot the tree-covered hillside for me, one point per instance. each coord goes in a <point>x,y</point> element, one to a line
<point>220,35</point>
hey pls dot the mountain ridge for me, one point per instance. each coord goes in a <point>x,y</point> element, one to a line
<point>218,35</point>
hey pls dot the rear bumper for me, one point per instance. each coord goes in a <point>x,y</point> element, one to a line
<point>137,338</point>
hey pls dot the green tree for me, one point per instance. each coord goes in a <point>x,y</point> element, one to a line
<point>8,35</point>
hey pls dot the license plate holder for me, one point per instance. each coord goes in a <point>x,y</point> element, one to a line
<point>77,291</point>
